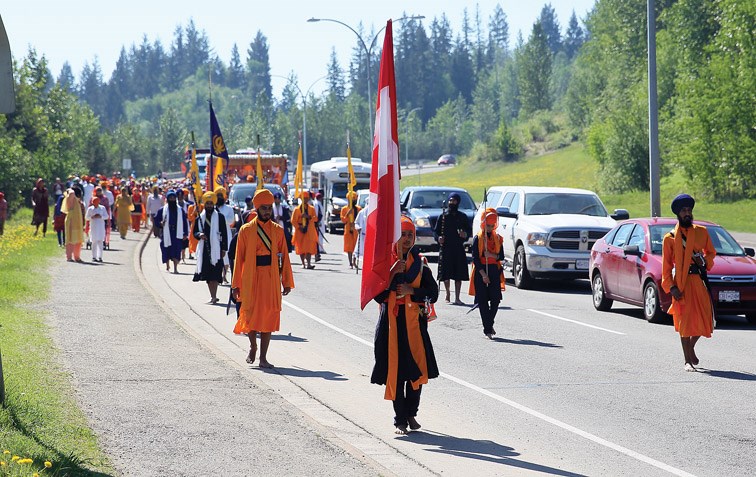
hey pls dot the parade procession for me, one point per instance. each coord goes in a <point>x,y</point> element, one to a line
<point>447,257</point>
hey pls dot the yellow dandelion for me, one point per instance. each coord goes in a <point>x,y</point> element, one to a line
<point>15,458</point>
<point>48,464</point>
<point>2,463</point>
<point>25,461</point>
<point>6,452</point>
<point>35,474</point>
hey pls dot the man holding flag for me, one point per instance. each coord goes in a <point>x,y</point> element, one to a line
<point>349,213</point>
<point>396,277</point>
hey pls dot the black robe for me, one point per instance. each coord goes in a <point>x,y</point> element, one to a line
<point>408,370</point>
<point>452,255</point>
<point>210,272</point>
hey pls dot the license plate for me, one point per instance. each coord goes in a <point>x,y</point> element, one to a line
<point>728,295</point>
<point>581,264</point>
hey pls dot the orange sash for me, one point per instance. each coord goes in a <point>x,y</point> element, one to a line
<point>482,245</point>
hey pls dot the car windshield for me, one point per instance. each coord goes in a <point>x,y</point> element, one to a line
<point>548,203</point>
<point>435,199</point>
<point>723,242</point>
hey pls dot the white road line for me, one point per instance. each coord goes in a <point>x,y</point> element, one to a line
<point>587,435</point>
<point>575,321</point>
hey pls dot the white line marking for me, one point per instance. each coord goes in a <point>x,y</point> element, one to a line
<point>575,321</point>
<point>520,407</point>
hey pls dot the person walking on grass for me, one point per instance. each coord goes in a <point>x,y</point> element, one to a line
<point>3,213</point>
<point>210,231</point>
<point>41,205</point>
<point>687,255</point>
<point>262,275</point>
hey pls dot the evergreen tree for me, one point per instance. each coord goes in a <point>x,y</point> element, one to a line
<point>551,28</point>
<point>534,72</point>
<point>462,71</point>
<point>335,78</point>
<point>574,37</point>
<point>258,69</point>
<point>91,88</point>
<point>66,78</point>
<point>236,77</point>
<point>197,50</point>
<point>175,71</point>
<point>498,36</point>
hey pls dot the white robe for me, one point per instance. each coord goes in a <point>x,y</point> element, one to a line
<point>96,224</point>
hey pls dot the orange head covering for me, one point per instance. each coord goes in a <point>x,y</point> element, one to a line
<point>262,197</point>
<point>221,191</point>
<point>490,217</point>
<point>304,194</point>
<point>406,224</point>
<point>351,195</point>
<point>96,201</point>
<point>250,178</point>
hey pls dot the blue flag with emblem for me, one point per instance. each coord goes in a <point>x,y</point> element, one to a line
<point>219,166</point>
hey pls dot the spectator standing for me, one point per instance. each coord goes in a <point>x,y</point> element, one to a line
<point>41,206</point>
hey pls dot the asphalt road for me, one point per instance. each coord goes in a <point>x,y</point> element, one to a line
<point>563,390</point>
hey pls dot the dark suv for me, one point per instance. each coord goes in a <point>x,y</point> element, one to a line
<point>424,205</point>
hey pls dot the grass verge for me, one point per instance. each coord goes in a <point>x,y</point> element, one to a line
<point>41,421</point>
<point>573,167</point>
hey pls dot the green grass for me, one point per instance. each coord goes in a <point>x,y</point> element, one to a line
<point>573,167</point>
<point>41,419</point>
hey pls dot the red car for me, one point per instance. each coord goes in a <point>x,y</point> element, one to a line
<point>626,265</point>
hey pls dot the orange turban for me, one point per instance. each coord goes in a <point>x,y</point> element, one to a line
<point>407,224</point>
<point>250,178</point>
<point>262,197</point>
<point>221,191</point>
<point>490,217</point>
<point>304,194</point>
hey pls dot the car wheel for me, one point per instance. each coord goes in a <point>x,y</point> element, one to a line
<point>522,278</point>
<point>651,308</point>
<point>600,301</point>
<point>751,317</point>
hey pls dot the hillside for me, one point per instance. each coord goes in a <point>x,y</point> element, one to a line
<point>573,167</point>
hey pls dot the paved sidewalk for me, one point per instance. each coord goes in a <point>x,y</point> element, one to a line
<point>164,404</point>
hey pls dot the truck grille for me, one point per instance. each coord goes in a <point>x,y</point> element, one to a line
<point>575,240</point>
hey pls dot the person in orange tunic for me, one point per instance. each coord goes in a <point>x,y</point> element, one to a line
<point>404,357</point>
<point>687,254</point>
<point>191,215</point>
<point>348,215</point>
<point>304,221</point>
<point>262,274</point>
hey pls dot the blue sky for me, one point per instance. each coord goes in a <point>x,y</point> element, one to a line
<point>78,30</point>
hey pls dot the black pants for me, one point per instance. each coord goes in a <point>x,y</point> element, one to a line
<point>488,298</point>
<point>62,237</point>
<point>406,403</point>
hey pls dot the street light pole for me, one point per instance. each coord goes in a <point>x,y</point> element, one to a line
<point>368,52</point>
<point>406,147</point>
<point>653,114</point>
<point>304,119</point>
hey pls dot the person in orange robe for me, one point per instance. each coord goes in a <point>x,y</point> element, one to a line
<point>487,276</point>
<point>192,213</point>
<point>404,357</point>
<point>304,222</point>
<point>687,254</point>
<point>348,214</point>
<point>262,274</point>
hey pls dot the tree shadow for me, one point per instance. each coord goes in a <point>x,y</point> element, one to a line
<point>528,343</point>
<point>306,373</point>
<point>484,450</point>
<point>736,375</point>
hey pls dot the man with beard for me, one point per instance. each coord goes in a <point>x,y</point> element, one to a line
<point>305,223</point>
<point>210,231</point>
<point>262,275</point>
<point>174,229</point>
<point>687,254</point>
<point>452,229</point>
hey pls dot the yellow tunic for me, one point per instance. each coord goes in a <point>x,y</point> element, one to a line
<point>260,286</point>
<point>350,233</point>
<point>307,242</point>
<point>693,313</point>
<point>74,224</point>
<point>123,205</point>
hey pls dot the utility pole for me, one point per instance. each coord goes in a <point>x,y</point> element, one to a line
<point>653,115</point>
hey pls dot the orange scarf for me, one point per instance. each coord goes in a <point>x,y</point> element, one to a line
<point>490,244</point>
<point>411,318</point>
<point>683,257</point>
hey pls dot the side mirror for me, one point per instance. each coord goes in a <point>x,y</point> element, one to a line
<point>504,212</point>
<point>620,214</point>
<point>750,252</point>
<point>632,250</point>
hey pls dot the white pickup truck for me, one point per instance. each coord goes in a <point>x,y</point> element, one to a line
<point>548,232</point>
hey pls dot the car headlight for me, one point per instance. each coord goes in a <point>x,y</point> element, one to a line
<point>422,222</point>
<point>537,239</point>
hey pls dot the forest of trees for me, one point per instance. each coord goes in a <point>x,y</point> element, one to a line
<point>477,92</point>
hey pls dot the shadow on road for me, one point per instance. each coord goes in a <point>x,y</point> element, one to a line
<point>288,337</point>
<point>736,375</point>
<point>480,450</point>
<point>528,343</point>
<point>307,373</point>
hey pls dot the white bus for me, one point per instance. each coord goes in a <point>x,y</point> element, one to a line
<point>332,177</point>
